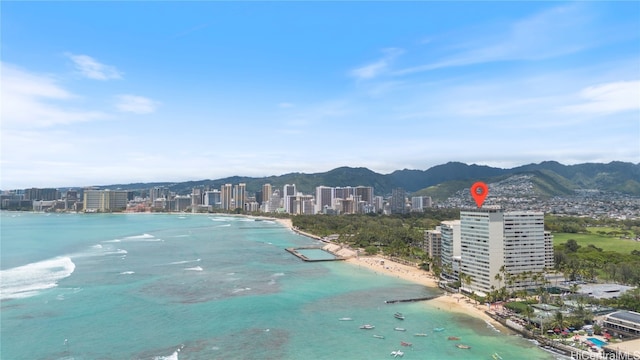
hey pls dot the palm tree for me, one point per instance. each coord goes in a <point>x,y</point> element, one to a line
<point>499,278</point>
<point>559,318</point>
<point>528,311</point>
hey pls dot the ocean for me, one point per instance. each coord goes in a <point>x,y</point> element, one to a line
<point>160,286</point>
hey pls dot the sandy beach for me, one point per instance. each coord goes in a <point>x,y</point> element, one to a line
<point>449,302</point>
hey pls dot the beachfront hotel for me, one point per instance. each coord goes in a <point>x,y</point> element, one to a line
<point>491,239</point>
<point>105,200</point>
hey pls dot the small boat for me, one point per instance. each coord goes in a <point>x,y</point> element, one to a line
<point>438,329</point>
<point>420,334</point>
<point>346,319</point>
<point>404,343</point>
<point>398,316</point>
<point>397,353</point>
<point>367,327</point>
<point>496,356</point>
<point>453,338</point>
<point>463,346</point>
<point>399,329</point>
<point>378,336</point>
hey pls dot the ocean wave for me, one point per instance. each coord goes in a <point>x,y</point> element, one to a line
<point>28,280</point>
<point>143,236</point>
<point>184,262</point>
<point>196,268</point>
<point>136,238</point>
<point>225,225</point>
<point>235,291</point>
<point>278,274</point>
<point>127,273</point>
<point>173,356</point>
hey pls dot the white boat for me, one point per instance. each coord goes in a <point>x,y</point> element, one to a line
<point>378,336</point>
<point>397,353</point>
<point>420,334</point>
<point>398,316</point>
<point>438,329</point>
<point>346,319</point>
<point>399,329</point>
<point>367,327</point>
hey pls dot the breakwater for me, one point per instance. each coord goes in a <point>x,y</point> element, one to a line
<point>411,300</point>
<point>302,257</point>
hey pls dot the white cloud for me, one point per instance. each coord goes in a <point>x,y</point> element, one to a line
<point>608,98</point>
<point>92,69</point>
<point>135,104</point>
<point>378,67</point>
<point>34,100</point>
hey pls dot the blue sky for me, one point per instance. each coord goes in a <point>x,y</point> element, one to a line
<point>98,93</point>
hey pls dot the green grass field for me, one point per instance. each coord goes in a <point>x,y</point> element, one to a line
<point>607,243</point>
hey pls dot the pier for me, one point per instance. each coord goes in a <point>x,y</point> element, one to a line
<point>300,256</point>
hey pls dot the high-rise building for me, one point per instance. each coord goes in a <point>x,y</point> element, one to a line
<point>491,239</point>
<point>397,201</point>
<point>267,191</point>
<point>416,204</point>
<point>105,200</point>
<point>226,197</point>
<point>288,194</point>
<point>365,193</point>
<point>549,261</point>
<point>325,196</point>
<point>212,198</point>
<point>46,194</point>
<point>450,249</point>
<point>240,195</point>
<point>433,244</point>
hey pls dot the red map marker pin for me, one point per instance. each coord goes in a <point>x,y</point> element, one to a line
<point>479,191</point>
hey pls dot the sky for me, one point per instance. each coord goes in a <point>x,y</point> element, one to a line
<point>98,93</point>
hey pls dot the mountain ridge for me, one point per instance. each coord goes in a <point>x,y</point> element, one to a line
<point>551,177</point>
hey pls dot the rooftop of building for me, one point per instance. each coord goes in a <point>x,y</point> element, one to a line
<point>630,316</point>
<point>603,291</point>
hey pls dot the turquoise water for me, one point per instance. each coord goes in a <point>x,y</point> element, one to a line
<point>597,342</point>
<point>147,286</point>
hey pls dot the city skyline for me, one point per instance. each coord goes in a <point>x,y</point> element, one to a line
<point>103,93</point>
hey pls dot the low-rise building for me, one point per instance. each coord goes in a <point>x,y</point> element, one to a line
<point>625,323</point>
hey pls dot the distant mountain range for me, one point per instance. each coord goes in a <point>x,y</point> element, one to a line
<point>548,178</point>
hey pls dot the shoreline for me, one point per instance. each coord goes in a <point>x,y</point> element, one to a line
<point>454,303</point>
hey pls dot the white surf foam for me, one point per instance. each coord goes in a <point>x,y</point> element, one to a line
<point>135,238</point>
<point>196,268</point>
<point>28,280</point>
<point>184,262</point>
<point>143,236</point>
<point>127,273</point>
<point>235,291</point>
<point>173,356</point>
<point>225,225</point>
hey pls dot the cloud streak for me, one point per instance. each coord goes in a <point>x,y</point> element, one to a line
<point>551,33</point>
<point>35,101</point>
<point>378,67</point>
<point>608,98</point>
<point>135,104</point>
<point>93,69</point>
